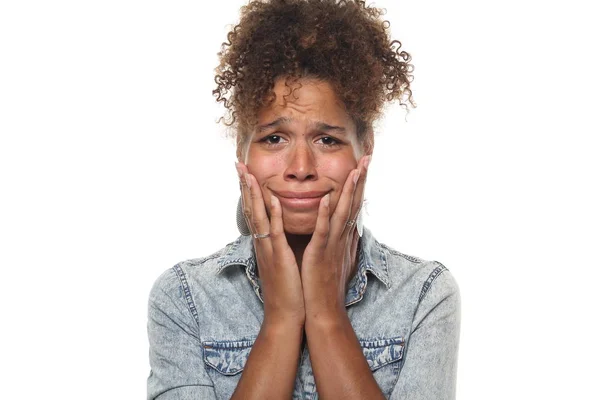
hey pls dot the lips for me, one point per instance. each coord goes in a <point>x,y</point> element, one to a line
<point>300,200</point>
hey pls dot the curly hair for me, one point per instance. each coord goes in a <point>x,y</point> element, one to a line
<point>342,42</point>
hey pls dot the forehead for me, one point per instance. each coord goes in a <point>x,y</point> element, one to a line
<point>306,101</point>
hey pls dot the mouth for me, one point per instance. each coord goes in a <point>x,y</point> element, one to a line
<point>300,201</point>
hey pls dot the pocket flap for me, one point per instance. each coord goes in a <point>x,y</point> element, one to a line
<point>227,357</point>
<point>381,352</point>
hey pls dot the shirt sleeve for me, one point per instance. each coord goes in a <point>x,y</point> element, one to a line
<point>176,365</point>
<point>430,359</point>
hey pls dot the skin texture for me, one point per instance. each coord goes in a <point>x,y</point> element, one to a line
<point>291,151</point>
<point>308,259</point>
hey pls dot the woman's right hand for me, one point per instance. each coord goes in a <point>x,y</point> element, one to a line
<point>277,268</point>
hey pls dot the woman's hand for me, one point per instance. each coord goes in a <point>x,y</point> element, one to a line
<point>330,257</point>
<point>277,267</point>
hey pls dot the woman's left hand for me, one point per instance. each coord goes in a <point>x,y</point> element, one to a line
<point>330,257</point>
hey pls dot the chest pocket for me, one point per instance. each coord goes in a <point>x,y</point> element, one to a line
<point>225,361</point>
<point>227,357</point>
<point>384,357</point>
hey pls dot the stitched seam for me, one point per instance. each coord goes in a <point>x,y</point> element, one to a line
<point>375,343</point>
<point>405,256</point>
<point>194,262</point>
<point>228,251</point>
<point>230,344</point>
<point>383,259</point>
<point>400,366</point>
<point>183,386</point>
<point>186,292</point>
<point>432,276</point>
<point>211,257</point>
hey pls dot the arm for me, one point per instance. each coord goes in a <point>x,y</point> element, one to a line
<point>177,367</point>
<point>430,360</point>
<point>339,365</point>
<point>271,368</point>
<point>276,351</point>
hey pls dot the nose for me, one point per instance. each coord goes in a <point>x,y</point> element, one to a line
<point>301,164</point>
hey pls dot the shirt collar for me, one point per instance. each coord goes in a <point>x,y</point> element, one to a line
<point>371,258</point>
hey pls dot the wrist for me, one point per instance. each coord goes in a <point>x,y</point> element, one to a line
<point>324,319</point>
<point>280,327</point>
<point>324,309</point>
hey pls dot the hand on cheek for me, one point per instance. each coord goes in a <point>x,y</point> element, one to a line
<point>277,267</point>
<point>329,259</point>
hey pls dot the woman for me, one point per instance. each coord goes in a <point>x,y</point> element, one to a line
<point>306,301</point>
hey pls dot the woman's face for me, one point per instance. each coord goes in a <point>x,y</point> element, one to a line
<point>302,149</point>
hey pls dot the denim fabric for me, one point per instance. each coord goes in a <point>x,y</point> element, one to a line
<point>204,315</point>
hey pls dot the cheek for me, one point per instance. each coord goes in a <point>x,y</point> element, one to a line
<point>337,169</point>
<point>264,167</point>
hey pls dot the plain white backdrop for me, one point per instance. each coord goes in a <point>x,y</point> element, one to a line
<point>113,168</point>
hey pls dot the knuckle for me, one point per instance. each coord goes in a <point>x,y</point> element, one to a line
<point>322,232</point>
<point>256,220</point>
<point>276,230</point>
<point>322,238</point>
<point>339,218</point>
<point>276,235</point>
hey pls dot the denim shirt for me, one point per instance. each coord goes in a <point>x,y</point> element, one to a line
<point>204,315</point>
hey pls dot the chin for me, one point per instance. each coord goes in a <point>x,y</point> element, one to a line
<point>300,226</point>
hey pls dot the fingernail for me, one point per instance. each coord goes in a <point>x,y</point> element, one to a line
<point>238,169</point>
<point>326,200</point>
<point>248,182</point>
<point>367,161</point>
<point>273,201</point>
<point>356,176</point>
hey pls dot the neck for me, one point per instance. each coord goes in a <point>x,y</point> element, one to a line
<point>298,244</point>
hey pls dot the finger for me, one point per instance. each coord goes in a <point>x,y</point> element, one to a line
<point>242,170</point>
<point>259,218</point>
<point>357,201</point>
<point>354,245</point>
<point>277,233</point>
<point>321,233</point>
<point>342,209</point>
<point>352,253</point>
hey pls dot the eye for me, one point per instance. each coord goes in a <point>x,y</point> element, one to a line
<point>328,141</point>
<point>272,140</point>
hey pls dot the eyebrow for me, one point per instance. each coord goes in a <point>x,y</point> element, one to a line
<point>322,126</point>
<point>274,124</point>
<point>319,125</point>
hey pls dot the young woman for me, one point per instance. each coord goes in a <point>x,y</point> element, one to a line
<point>306,302</point>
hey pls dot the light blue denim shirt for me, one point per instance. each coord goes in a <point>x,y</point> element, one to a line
<point>204,315</point>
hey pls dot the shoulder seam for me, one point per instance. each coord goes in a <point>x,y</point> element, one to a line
<point>432,276</point>
<point>186,291</point>
<point>197,261</point>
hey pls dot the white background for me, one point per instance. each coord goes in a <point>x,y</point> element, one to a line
<point>113,169</point>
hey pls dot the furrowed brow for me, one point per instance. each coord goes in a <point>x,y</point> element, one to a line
<point>274,124</point>
<point>322,126</point>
